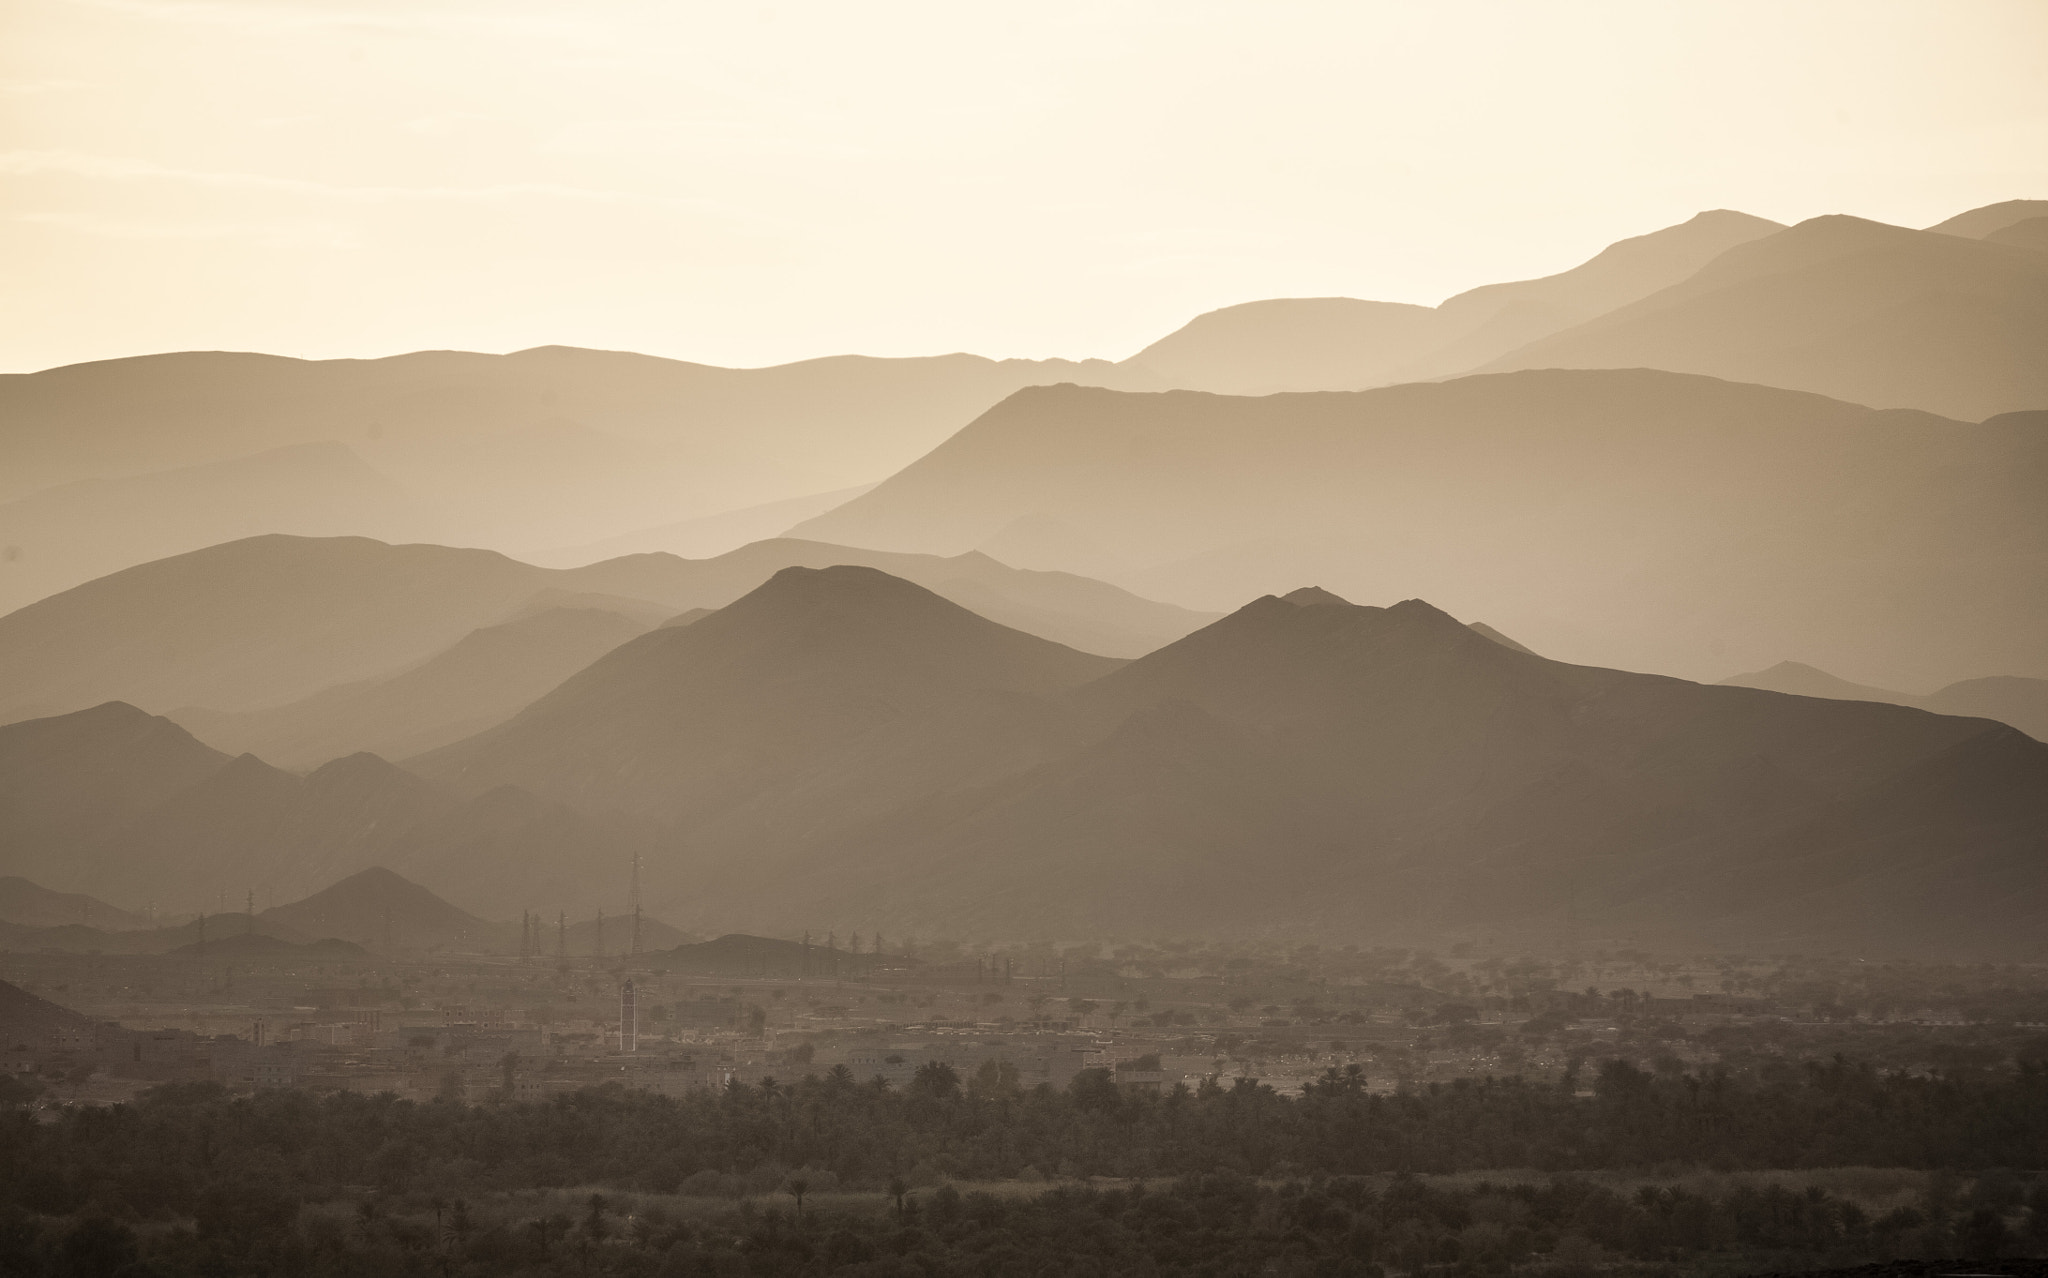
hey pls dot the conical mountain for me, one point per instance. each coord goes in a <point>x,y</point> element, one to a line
<point>817,672</point>
<point>381,911</point>
<point>68,782</point>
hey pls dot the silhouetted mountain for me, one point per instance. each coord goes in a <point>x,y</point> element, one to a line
<point>2022,703</point>
<point>484,679</point>
<point>827,686</point>
<point>547,447</point>
<point>255,946</point>
<point>1802,680</point>
<point>840,749</point>
<point>2031,234</point>
<point>1857,310</point>
<point>63,536</point>
<point>1628,518</point>
<point>1340,343</point>
<point>1983,223</point>
<point>707,535</point>
<point>1480,627</point>
<point>738,955</point>
<point>1303,763</point>
<point>28,905</point>
<point>67,783</point>
<point>120,801</point>
<point>1291,343</point>
<point>380,911</point>
<point>1490,321</point>
<point>272,621</point>
<point>614,939</point>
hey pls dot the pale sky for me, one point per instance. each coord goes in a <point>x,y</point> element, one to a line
<point>751,184</point>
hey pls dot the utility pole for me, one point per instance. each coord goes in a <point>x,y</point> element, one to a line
<point>252,912</point>
<point>600,931</point>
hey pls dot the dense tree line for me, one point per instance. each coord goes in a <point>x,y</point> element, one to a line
<point>240,1171</point>
<point>1223,1224</point>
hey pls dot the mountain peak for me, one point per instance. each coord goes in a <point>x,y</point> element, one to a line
<point>1314,597</point>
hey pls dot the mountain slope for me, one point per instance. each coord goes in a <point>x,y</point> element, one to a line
<point>2021,703</point>
<point>270,621</point>
<point>1329,770</point>
<point>1857,310</point>
<point>63,536</point>
<point>1492,320</point>
<point>1983,223</point>
<point>1340,343</point>
<point>26,904</point>
<point>1629,518</point>
<point>384,912</point>
<point>123,803</point>
<point>845,680</point>
<point>545,447</point>
<point>483,679</point>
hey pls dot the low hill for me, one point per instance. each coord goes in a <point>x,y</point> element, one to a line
<point>255,947</point>
<point>739,955</point>
<point>381,911</point>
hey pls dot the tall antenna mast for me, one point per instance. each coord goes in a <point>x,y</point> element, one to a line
<point>635,902</point>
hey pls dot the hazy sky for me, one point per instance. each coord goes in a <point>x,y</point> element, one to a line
<point>748,184</point>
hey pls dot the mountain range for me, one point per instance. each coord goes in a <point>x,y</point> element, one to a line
<point>566,456</point>
<point>1630,518</point>
<point>922,678</point>
<point>2023,703</point>
<point>840,749</point>
<point>313,648</point>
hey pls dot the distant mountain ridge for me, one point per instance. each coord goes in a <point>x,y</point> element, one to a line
<point>247,629</point>
<point>113,796</point>
<point>2023,703</point>
<point>1628,518</point>
<point>1848,308</point>
<point>1341,343</point>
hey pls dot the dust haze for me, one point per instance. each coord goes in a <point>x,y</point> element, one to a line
<point>1362,641</point>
